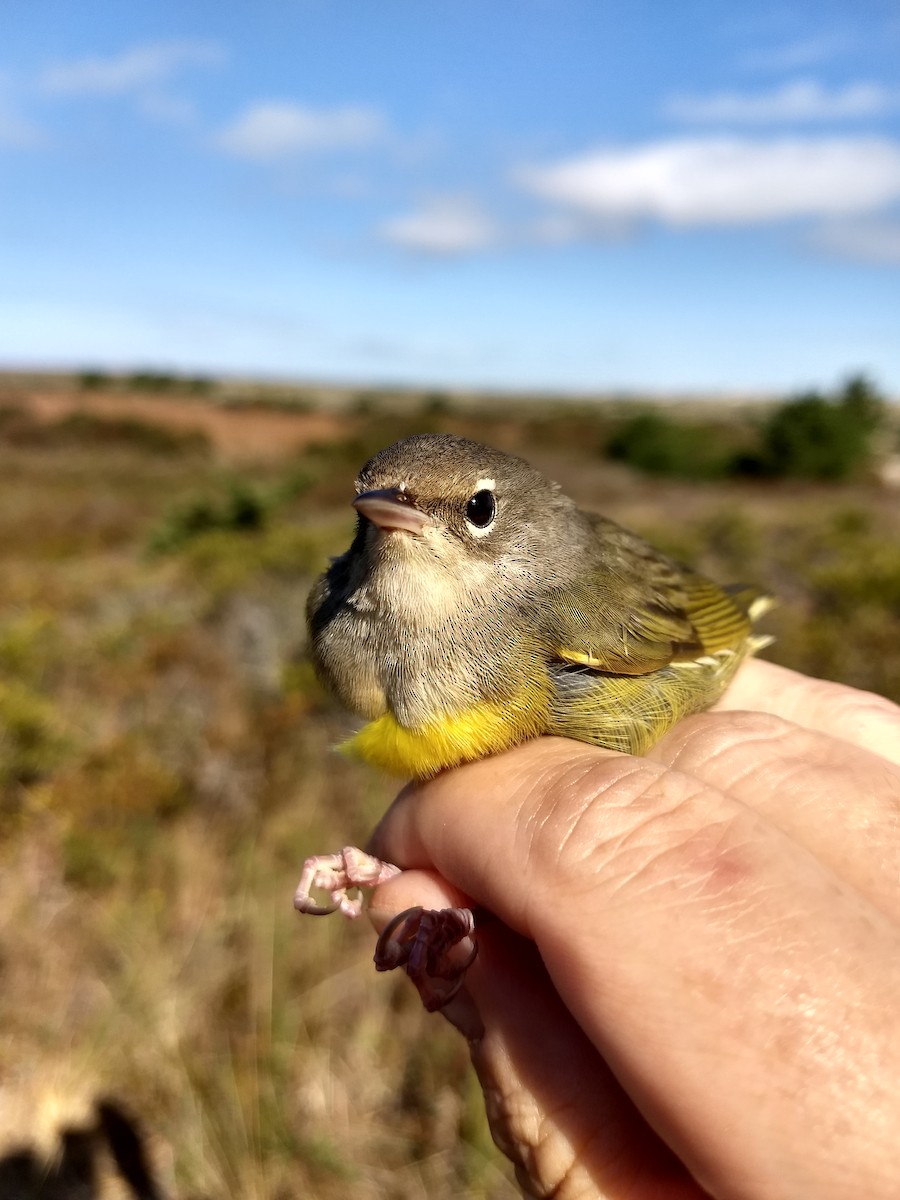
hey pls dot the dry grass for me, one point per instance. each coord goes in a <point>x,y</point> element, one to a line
<point>165,766</point>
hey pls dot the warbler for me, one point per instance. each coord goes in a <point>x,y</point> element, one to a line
<point>478,607</point>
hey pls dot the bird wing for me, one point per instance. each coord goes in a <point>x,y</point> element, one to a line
<point>637,610</point>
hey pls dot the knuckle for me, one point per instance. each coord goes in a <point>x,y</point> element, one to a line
<point>856,711</point>
<point>619,823</point>
<point>701,741</point>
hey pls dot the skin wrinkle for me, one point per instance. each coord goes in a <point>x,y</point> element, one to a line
<point>624,856</point>
<point>531,790</point>
<point>818,788</point>
<point>558,811</point>
<point>718,981</point>
<point>814,1069</point>
<point>591,840</point>
<point>865,830</point>
<point>637,861</point>
<point>725,757</point>
<point>696,740</point>
<point>601,802</point>
<point>837,773</point>
<point>556,943</point>
<point>547,851</point>
<point>718,863</point>
<point>546,1146</point>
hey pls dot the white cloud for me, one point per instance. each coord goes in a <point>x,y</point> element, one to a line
<point>868,241</point>
<point>134,70</point>
<point>280,129</point>
<point>722,181</point>
<point>444,225</point>
<point>803,100</point>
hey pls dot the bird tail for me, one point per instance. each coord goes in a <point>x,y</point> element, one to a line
<point>755,603</point>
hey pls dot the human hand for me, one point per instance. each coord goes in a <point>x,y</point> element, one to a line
<point>691,985</point>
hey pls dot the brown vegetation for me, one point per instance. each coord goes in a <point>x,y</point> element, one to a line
<point>239,434</point>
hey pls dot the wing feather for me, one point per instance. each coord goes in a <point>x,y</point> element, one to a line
<point>638,610</point>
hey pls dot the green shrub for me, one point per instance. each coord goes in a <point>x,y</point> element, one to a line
<point>817,437</point>
<point>658,445</point>
<point>31,740</point>
<point>92,379</point>
<point>436,404</point>
<point>151,381</point>
<point>863,403</point>
<point>242,509</point>
<point>85,430</point>
<point>809,438</point>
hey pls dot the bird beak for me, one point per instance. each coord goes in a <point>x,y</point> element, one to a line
<point>390,509</point>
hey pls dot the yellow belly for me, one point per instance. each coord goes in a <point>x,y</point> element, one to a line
<point>486,728</point>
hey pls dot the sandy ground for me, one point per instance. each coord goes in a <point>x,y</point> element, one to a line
<point>248,434</point>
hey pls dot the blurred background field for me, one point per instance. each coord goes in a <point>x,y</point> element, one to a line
<point>653,248</point>
<point>166,755</point>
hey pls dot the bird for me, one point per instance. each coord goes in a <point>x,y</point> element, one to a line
<point>478,607</point>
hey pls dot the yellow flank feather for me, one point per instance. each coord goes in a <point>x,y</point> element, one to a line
<point>486,728</point>
<point>629,713</point>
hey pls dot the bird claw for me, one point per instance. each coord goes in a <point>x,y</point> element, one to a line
<point>420,940</point>
<point>335,873</point>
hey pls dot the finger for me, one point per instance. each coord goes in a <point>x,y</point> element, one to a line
<point>840,802</point>
<point>704,953</point>
<point>554,1107</point>
<point>861,718</point>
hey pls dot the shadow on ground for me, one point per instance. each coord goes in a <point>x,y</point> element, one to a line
<point>75,1171</point>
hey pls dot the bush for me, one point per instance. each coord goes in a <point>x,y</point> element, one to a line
<point>86,429</point>
<point>31,740</point>
<point>18,427</point>
<point>863,403</point>
<point>91,379</point>
<point>436,404</point>
<point>658,445</point>
<point>151,381</point>
<point>243,509</point>
<point>817,437</point>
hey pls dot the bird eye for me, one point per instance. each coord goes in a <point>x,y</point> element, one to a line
<point>481,509</point>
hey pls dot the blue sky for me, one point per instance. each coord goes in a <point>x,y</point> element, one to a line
<point>573,194</point>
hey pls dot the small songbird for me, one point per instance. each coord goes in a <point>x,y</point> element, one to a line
<point>478,607</point>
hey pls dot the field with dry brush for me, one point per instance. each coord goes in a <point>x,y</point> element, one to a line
<point>166,764</point>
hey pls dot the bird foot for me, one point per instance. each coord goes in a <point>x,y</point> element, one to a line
<point>421,940</point>
<point>335,874</point>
